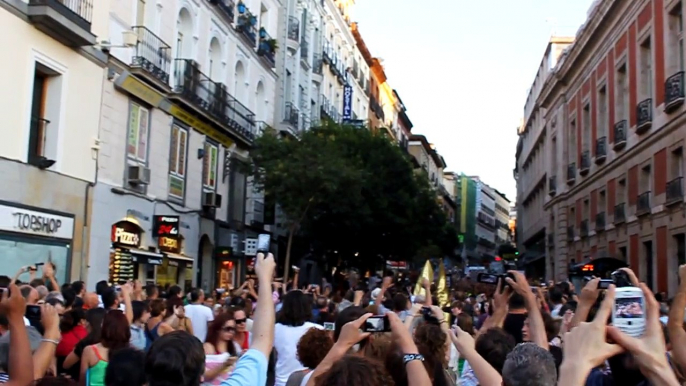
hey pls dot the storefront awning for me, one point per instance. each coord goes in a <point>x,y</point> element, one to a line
<point>142,256</point>
<point>177,256</point>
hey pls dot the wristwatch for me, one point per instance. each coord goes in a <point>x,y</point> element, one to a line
<point>407,358</point>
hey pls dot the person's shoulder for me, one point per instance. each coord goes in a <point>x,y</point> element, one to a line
<point>314,325</point>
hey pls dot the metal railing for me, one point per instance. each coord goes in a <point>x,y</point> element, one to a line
<point>644,114</point>
<point>600,149</point>
<point>291,114</point>
<point>317,65</point>
<point>643,204</point>
<point>552,185</point>
<point>246,25</point>
<point>583,228</point>
<point>212,98</point>
<point>152,54</point>
<point>227,7</point>
<point>620,134</point>
<point>674,91</point>
<point>570,233</point>
<point>304,49</point>
<point>620,213</point>
<point>82,10</point>
<point>39,130</point>
<point>293,28</point>
<point>571,172</point>
<point>675,191</point>
<point>585,162</point>
<point>600,222</point>
<point>266,46</point>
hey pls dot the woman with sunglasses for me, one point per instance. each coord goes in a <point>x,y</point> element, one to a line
<point>220,349</point>
<point>242,337</point>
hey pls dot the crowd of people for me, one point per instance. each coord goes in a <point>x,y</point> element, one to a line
<point>271,333</point>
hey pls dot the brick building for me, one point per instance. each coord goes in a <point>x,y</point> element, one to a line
<point>614,123</point>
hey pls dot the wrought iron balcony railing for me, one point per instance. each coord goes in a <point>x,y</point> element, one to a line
<point>552,185</point>
<point>600,150</point>
<point>227,8</point>
<point>620,213</point>
<point>292,115</point>
<point>571,173</point>
<point>304,49</point>
<point>212,98</point>
<point>293,28</point>
<point>674,92</point>
<point>644,115</point>
<point>246,25</point>
<point>267,47</point>
<point>620,135</point>
<point>600,222</point>
<point>585,162</point>
<point>78,11</point>
<point>152,54</point>
<point>675,191</point>
<point>39,132</point>
<point>317,65</point>
<point>643,204</point>
<point>570,233</point>
<point>583,228</point>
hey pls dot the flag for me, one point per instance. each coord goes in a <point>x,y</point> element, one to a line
<point>428,273</point>
<point>442,287</point>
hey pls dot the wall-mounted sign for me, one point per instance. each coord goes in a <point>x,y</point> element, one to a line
<point>166,226</point>
<point>347,102</point>
<point>169,244</point>
<point>20,220</point>
<point>126,233</point>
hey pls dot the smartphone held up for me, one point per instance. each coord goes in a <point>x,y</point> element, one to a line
<point>377,323</point>
<point>629,311</point>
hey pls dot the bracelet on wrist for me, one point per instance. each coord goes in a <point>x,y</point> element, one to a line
<point>407,358</point>
<point>53,341</point>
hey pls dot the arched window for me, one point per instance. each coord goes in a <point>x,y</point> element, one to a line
<point>215,61</point>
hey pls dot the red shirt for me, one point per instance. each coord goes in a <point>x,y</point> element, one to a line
<point>69,340</point>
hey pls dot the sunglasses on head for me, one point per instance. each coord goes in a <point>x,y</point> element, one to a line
<point>241,321</point>
<point>229,329</point>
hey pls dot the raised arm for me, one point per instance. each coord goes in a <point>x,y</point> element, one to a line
<point>263,327</point>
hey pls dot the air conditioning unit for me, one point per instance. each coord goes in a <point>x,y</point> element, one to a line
<point>211,200</point>
<point>138,175</point>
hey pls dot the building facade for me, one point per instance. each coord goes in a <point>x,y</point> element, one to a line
<point>502,219</point>
<point>616,132</point>
<point>190,85</point>
<point>50,132</point>
<point>531,165</point>
<point>485,230</point>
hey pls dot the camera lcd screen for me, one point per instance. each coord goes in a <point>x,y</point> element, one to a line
<point>629,308</point>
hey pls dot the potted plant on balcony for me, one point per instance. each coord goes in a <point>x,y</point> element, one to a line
<point>241,7</point>
<point>253,20</point>
<point>273,44</point>
<point>263,33</point>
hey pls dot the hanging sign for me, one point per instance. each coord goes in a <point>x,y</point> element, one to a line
<point>347,102</point>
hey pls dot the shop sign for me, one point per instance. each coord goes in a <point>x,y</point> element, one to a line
<point>169,244</point>
<point>20,220</point>
<point>166,226</point>
<point>347,102</point>
<point>126,233</point>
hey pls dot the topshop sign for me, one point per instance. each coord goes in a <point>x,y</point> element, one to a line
<point>21,220</point>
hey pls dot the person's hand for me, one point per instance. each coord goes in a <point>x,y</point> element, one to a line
<point>401,334</point>
<point>426,283</point>
<point>277,285</point>
<point>632,277</point>
<point>501,298</point>
<point>251,283</point>
<point>48,270</point>
<point>264,267</point>
<point>438,313</point>
<point>463,341</point>
<point>13,307</point>
<point>351,333</point>
<point>649,350</point>
<point>126,290</point>
<point>589,294</point>
<point>567,319</point>
<point>50,320</point>
<point>586,347</point>
<point>416,307</point>
<point>387,282</point>
<point>520,285</point>
<point>180,312</point>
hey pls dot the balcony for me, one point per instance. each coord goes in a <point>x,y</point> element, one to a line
<point>620,135</point>
<point>583,228</point>
<point>198,91</point>
<point>570,233</point>
<point>644,116</point>
<point>674,92</point>
<point>585,162</point>
<point>600,150</point>
<point>267,48</point>
<point>305,123</point>
<point>552,185</point>
<point>675,191</point>
<point>600,222</point>
<point>292,115</point>
<point>226,8</point>
<point>67,21</point>
<point>571,173</point>
<point>39,132</point>
<point>293,36</point>
<point>246,25</point>
<point>152,58</point>
<point>620,213</point>
<point>643,204</point>
<point>305,53</point>
<point>376,108</point>
<point>317,65</point>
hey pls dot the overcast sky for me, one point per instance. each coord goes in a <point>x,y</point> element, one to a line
<point>463,69</point>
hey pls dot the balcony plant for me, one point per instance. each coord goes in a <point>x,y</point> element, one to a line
<point>273,44</point>
<point>241,7</point>
<point>263,33</point>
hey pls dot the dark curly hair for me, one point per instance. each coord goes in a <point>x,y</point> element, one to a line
<point>494,345</point>
<point>356,370</point>
<point>313,347</point>
<point>296,309</point>
<point>430,337</point>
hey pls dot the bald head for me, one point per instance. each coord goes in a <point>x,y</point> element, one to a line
<point>30,294</point>
<point>90,300</point>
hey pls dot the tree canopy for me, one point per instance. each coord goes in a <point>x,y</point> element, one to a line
<point>352,191</point>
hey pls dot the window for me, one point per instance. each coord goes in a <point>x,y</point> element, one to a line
<point>586,140</point>
<point>646,81</point>
<point>676,27</point>
<point>209,167</point>
<point>602,112</point>
<point>644,182</point>
<point>601,201</point>
<point>177,162</point>
<point>39,124</point>
<point>140,13</point>
<point>45,113</point>
<point>621,191</point>
<point>621,93</point>
<point>137,142</point>
<point>677,162</point>
<point>553,154</point>
<point>238,185</point>
<point>572,141</point>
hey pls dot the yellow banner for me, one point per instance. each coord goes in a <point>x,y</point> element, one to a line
<point>141,90</point>
<point>427,273</point>
<point>442,287</point>
<point>189,119</point>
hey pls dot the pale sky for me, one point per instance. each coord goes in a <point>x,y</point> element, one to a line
<point>463,69</point>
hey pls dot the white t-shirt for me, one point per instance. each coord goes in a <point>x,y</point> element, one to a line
<point>200,315</point>
<point>286,340</point>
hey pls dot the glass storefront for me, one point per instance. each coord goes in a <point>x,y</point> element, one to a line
<point>18,251</point>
